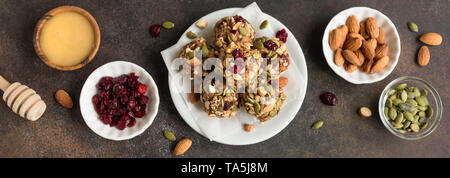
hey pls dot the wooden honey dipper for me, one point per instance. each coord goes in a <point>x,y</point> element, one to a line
<point>22,100</point>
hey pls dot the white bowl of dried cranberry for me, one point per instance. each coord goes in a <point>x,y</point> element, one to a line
<point>119,100</point>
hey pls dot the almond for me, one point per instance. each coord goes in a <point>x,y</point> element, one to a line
<point>364,112</point>
<point>433,39</point>
<point>182,146</point>
<point>360,56</point>
<point>355,35</point>
<point>350,67</point>
<point>362,30</point>
<point>352,44</point>
<point>338,58</point>
<point>381,38</point>
<point>367,65</point>
<point>248,127</point>
<point>64,99</point>
<point>372,28</point>
<point>283,81</point>
<point>381,51</point>
<point>351,57</point>
<point>352,24</point>
<point>368,50</point>
<point>372,43</point>
<point>335,39</point>
<point>423,57</point>
<point>344,34</point>
<point>380,64</point>
<point>193,97</point>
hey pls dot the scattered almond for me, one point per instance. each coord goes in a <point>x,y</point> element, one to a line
<point>352,44</point>
<point>350,67</point>
<point>335,39</point>
<point>351,57</point>
<point>381,38</point>
<point>248,127</point>
<point>379,64</point>
<point>423,57</point>
<point>381,51</point>
<point>352,24</point>
<point>182,146</point>
<point>64,99</point>
<point>372,28</point>
<point>283,81</point>
<point>338,58</point>
<point>364,112</point>
<point>433,39</point>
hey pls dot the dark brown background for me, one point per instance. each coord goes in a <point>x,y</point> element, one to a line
<point>124,26</point>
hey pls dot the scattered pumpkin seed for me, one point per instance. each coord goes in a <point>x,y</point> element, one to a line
<point>413,27</point>
<point>169,135</point>
<point>168,25</point>
<point>191,35</point>
<point>317,125</point>
<point>264,24</point>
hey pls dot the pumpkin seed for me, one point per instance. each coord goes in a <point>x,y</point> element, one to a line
<point>406,107</point>
<point>168,25</point>
<point>413,27</point>
<point>422,114</point>
<point>411,95</point>
<point>408,116</point>
<point>422,101</point>
<point>234,108</point>
<point>243,31</point>
<point>399,118</point>
<point>397,101</point>
<point>422,108</point>
<point>392,113</point>
<point>317,125</point>
<point>406,125</point>
<point>411,102</point>
<point>389,103</point>
<point>404,96</point>
<point>392,92</point>
<point>205,51</point>
<point>386,112</point>
<point>257,107</point>
<point>191,54</point>
<point>393,97</point>
<point>273,113</point>
<point>402,131</point>
<point>422,120</point>
<point>258,44</point>
<point>414,127</point>
<point>416,92</point>
<point>169,135</point>
<point>230,38</point>
<point>191,35</point>
<point>397,125</point>
<point>250,100</point>
<point>264,24</point>
<point>424,92</point>
<point>401,86</point>
<point>249,104</point>
<point>429,112</point>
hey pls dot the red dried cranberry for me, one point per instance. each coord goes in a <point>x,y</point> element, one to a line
<point>135,93</point>
<point>282,35</point>
<point>265,55</point>
<point>270,45</point>
<point>123,122</point>
<point>233,32</point>
<point>132,122</point>
<point>132,104</point>
<point>114,121</point>
<point>227,105</point>
<point>142,89</point>
<point>155,30</point>
<point>238,18</point>
<point>122,79</point>
<point>237,53</point>
<point>95,99</point>
<point>328,98</point>
<point>106,118</point>
<point>238,66</point>
<point>140,113</point>
<point>137,108</point>
<point>143,100</point>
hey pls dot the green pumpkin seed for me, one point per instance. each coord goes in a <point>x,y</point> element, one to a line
<point>422,108</point>
<point>257,107</point>
<point>250,100</point>
<point>191,35</point>
<point>402,131</point>
<point>401,86</point>
<point>393,97</point>
<point>416,118</point>
<point>409,116</point>
<point>234,108</point>
<point>273,113</point>
<point>406,107</point>
<point>392,92</point>
<point>397,101</point>
<point>413,27</point>
<point>429,112</point>
<point>416,92</point>
<point>264,24</point>
<point>404,96</point>
<point>422,101</point>
<point>399,118</point>
<point>386,112</point>
<point>243,31</point>
<point>248,104</point>
<point>411,95</point>
<point>422,114</point>
<point>168,25</point>
<point>191,54</point>
<point>424,125</point>
<point>397,125</point>
<point>414,127</point>
<point>258,44</point>
<point>392,113</point>
<point>169,135</point>
<point>411,102</point>
<point>424,92</point>
<point>317,125</point>
<point>406,125</point>
<point>205,51</point>
<point>389,103</point>
<point>230,38</point>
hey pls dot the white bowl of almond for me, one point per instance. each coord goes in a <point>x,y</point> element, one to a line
<point>361,45</point>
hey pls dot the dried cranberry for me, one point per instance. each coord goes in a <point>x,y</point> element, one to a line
<point>270,45</point>
<point>140,113</point>
<point>227,105</point>
<point>123,122</point>
<point>265,55</point>
<point>238,66</point>
<point>282,35</point>
<point>237,53</point>
<point>132,122</point>
<point>122,79</point>
<point>284,58</point>
<point>135,93</point>
<point>328,98</point>
<point>131,104</point>
<point>106,118</point>
<point>155,30</point>
<point>234,32</point>
<point>143,100</point>
<point>142,89</point>
<point>238,18</point>
<point>95,99</point>
<point>114,121</point>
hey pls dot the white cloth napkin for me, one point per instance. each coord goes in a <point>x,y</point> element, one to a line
<point>216,128</point>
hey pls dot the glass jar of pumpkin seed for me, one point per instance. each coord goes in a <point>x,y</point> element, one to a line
<point>410,108</point>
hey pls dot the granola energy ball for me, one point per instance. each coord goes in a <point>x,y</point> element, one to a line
<point>198,45</point>
<point>221,105</point>
<point>264,104</point>
<point>233,32</point>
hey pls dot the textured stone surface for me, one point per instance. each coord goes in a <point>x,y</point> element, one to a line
<point>124,26</point>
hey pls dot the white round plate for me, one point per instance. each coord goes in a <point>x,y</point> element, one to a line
<point>392,39</point>
<point>115,69</point>
<point>288,112</point>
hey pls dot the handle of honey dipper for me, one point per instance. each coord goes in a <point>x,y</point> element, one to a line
<point>4,84</point>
